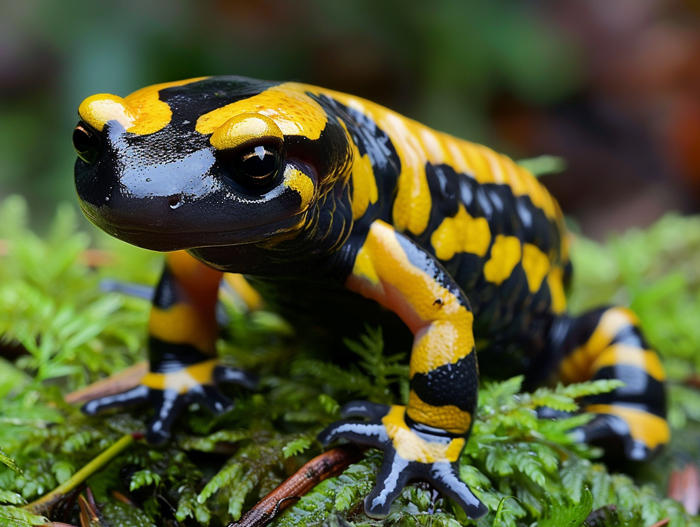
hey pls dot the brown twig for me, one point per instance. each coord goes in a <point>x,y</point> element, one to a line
<point>112,385</point>
<point>661,523</point>
<point>320,468</point>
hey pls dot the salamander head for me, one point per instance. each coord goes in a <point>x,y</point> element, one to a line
<point>205,162</point>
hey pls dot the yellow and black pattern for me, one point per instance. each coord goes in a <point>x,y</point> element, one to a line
<point>609,345</point>
<point>303,187</point>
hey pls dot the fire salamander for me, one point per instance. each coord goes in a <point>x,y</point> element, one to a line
<point>312,190</point>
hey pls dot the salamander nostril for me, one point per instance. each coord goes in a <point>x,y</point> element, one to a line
<point>175,201</point>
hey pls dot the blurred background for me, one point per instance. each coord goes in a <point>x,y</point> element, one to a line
<point>613,87</point>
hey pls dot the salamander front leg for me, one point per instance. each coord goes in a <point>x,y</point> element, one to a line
<point>424,439</point>
<point>409,454</point>
<point>183,368</point>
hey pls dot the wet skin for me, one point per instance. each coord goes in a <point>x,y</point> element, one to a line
<point>292,183</point>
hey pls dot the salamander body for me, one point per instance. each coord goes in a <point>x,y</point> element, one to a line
<point>295,184</point>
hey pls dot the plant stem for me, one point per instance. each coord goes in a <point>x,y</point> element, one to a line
<point>44,503</point>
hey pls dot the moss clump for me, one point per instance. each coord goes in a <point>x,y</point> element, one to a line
<point>61,332</point>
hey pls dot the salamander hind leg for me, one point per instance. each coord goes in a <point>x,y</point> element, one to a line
<point>607,343</point>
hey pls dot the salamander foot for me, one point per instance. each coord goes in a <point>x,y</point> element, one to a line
<point>169,393</point>
<point>410,452</point>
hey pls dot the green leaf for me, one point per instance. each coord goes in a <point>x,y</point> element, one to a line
<point>297,446</point>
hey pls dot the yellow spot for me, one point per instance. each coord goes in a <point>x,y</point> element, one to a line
<point>99,109</point>
<point>411,447</point>
<point>644,427</point>
<point>301,184</point>
<point>555,282</point>
<point>449,418</point>
<point>364,185</point>
<point>536,266</point>
<point>460,234</point>
<point>141,113</point>
<point>246,129</point>
<point>576,367</point>
<point>505,255</point>
<point>183,380</point>
<point>646,360</point>
<point>293,111</point>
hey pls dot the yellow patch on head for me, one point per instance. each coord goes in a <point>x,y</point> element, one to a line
<point>300,183</point>
<point>246,128</point>
<point>505,255</point>
<point>293,111</point>
<point>461,234</point>
<point>411,447</point>
<point>536,266</point>
<point>141,113</point>
<point>99,109</point>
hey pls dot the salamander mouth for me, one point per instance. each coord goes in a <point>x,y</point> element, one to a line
<point>160,238</point>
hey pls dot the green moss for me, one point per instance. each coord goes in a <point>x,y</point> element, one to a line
<point>523,468</point>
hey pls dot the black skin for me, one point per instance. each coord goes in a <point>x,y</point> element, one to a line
<point>228,217</point>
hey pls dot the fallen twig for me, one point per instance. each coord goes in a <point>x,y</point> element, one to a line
<point>119,382</point>
<point>320,468</point>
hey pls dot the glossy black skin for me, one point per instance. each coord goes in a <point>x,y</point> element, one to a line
<point>170,191</point>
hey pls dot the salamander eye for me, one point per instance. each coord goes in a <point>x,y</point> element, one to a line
<point>86,143</point>
<point>254,167</point>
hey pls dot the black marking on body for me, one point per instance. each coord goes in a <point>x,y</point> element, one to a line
<point>373,141</point>
<point>449,384</point>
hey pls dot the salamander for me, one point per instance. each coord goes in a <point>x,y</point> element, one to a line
<point>309,190</point>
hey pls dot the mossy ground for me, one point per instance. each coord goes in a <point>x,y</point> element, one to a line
<point>61,332</point>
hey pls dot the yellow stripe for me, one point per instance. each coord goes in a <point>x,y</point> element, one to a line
<point>411,447</point>
<point>183,380</point>
<point>632,356</point>
<point>183,324</point>
<point>447,417</point>
<point>364,184</point>
<point>576,367</point>
<point>441,324</point>
<point>555,282</point>
<point>645,427</point>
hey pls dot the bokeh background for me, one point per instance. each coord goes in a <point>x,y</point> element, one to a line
<point>613,87</point>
